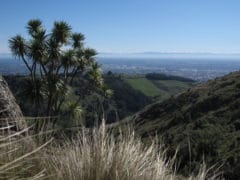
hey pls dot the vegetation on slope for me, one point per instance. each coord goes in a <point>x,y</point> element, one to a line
<point>123,102</point>
<point>159,86</point>
<point>129,94</point>
<point>126,99</point>
<point>160,76</point>
<point>203,122</point>
<point>144,86</point>
<point>95,154</point>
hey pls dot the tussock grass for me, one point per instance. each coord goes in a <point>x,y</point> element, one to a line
<point>204,173</point>
<point>98,155</point>
<point>92,155</point>
<point>18,158</point>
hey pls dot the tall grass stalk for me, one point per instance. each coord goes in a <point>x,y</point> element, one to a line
<point>94,154</point>
<point>19,158</point>
<point>98,155</point>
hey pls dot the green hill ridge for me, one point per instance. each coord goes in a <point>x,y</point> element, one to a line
<point>203,121</point>
<point>158,86</point>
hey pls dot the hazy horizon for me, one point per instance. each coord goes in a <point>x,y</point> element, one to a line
<point>159,55</point>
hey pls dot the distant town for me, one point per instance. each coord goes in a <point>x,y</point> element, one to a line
<point>196,68</point>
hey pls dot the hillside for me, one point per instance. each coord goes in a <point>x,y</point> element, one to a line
<point>132,92</point>
<point>202,121</point>
<point>126,99</point>
<point>112,158</point>
<point>158,86</point>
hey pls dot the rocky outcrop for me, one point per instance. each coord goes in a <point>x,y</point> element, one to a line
<point>11,117</point>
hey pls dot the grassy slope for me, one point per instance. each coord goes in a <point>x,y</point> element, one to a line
<point>159,89</point>
<point>126,99</point>
<point>144,85</point>
<point>206,118</point>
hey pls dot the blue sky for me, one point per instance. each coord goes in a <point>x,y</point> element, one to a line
<point>127,26</point>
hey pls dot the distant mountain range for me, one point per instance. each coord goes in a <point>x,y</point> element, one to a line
<point>175,55</point>
<point>161,55</point>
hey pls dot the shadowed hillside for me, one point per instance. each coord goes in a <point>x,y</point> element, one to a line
<point>203,121</point>
<point>130,93</point>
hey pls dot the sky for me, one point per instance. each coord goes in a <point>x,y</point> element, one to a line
<point>133,26</point>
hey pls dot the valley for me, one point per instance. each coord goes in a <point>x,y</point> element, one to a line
<point>201,122</point>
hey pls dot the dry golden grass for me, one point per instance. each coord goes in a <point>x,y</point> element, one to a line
<point>93,155</point>
<point>100,156</point>
<point>18,158</point>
